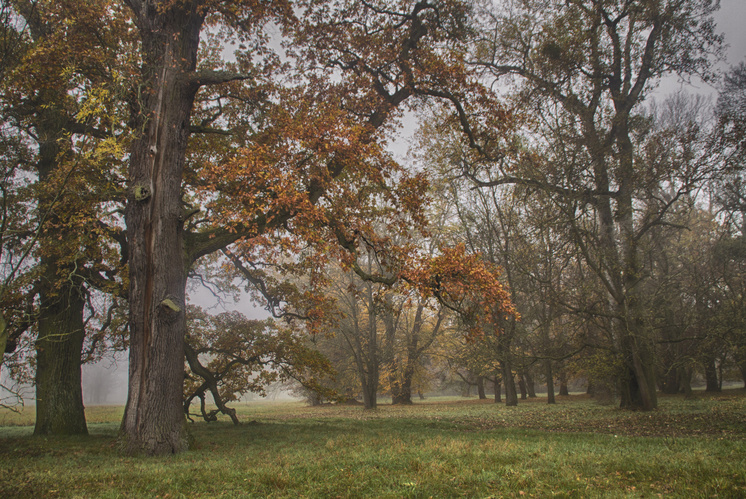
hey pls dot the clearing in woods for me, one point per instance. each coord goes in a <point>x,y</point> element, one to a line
<point>435,448</point>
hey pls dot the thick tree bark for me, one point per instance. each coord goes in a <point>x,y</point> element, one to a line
<point>59,345</point>
<point>403,395</point>
<point>400,378</point>
<point>59,396</point>
<point>154,421</point>
<point>639,387</point>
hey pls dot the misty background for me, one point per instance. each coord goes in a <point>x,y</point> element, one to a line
<point>105,382</point>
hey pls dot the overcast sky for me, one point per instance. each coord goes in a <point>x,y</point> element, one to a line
<point>731,19</point>
<point>730,22</point>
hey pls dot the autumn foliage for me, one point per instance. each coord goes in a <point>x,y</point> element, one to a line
<point>468,285</point>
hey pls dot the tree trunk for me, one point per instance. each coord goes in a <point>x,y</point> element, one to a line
<point>59,345</point>
<point>59,396</point>
<point>498,390</point>
<point>372,358</point>
<point>210,383</point>
<point>396,380</point>
<point>522,387</point>
<point>637,347</point>
<point>404,395</point>
<point>550,381</point>
<point>563,391</point>
<point>154,421</point>
<point>711,376</point>
<point>686,382</point>
<point>370,394</point>
<point>480,388</point>
<point>511,397</point>
<point>671,381</point>
<point>638,388</point>
<point>530,385</point>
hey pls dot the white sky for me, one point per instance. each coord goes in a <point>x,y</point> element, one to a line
<point>731,20</point>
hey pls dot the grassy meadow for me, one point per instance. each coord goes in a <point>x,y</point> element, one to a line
<point>435,448</point>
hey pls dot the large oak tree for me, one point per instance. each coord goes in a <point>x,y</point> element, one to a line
<point>57,101</point>
<point>305,135</point>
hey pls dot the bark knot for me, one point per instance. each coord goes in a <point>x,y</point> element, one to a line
<point>171,305</point>
<point>142,192</point>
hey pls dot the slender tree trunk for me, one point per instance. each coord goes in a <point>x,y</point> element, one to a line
<point>686,382</point>
<point>711,376</point>
<point>154,421</point>
<point>638,348</point>
<point>59,395</point>
<point>511,397</point>
<point>210,383</point>
<point>395,371</point>
<point>530,385</point>
<point>372,374</point>
<point>522,387</point>
<point>563,391</point>
<point>550,381</point>
<point>671,381</point>
<point>480,388</point>
<point>498,389</point>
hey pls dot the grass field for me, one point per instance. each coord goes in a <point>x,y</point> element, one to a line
<point>438,448</point>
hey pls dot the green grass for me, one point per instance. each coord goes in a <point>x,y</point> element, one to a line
<point>463,448</point>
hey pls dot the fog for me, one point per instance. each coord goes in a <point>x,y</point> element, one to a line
<point>105,382</point>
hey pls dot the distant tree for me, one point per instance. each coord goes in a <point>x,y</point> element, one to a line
<point>730,197</point>
<point>228,355</point>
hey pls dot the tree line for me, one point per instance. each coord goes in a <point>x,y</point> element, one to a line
<point>554,221</point>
